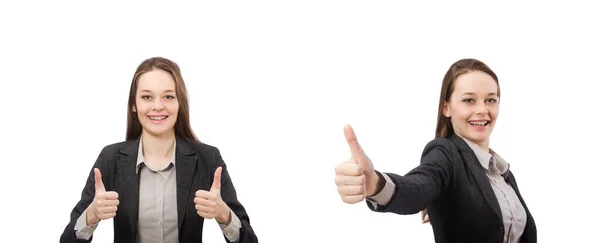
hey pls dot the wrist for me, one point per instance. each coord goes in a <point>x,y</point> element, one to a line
<point>377,183</point>
<point>90,216</point>
<point>224,218</point>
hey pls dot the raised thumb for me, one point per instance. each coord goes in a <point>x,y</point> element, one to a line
<point>98,181</point>
<point>216,185</point>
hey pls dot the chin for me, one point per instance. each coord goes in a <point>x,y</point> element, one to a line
<point>159,132</point>
<point>478,138</point>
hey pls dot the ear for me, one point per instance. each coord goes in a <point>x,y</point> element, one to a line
<point>133,109</point>
<point>446,109</point>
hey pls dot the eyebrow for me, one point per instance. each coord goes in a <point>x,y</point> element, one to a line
<point>471,93</point>
<point>148,91</point>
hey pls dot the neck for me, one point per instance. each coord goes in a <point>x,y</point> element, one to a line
<point>158,146</point>
<point>484,145</point>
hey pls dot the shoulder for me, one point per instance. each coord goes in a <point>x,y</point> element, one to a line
<point>443,144</point>
<point>207,153</point>
<point>112,149</point>
<point>202,148</point>
<point>126,147</point>
<point>109,153</point>
<point>442,150</point>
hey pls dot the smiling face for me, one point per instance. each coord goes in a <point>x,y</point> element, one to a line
<point>156,103</point>
<point>473,107</point>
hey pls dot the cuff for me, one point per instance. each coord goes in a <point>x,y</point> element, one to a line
<point>232,231</point>
<point>82,230</point>
<point>385,195</point>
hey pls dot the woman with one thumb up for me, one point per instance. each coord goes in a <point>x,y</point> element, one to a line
<point>462,187</point>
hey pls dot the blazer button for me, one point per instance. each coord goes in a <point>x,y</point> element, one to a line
<point>502,228</point>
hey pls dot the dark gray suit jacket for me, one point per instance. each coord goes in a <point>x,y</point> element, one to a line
<point>196,164</point>
<point>451,183</point>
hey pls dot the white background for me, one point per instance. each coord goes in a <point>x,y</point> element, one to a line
<point>272,84</point>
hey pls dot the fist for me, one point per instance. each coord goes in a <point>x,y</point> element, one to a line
<point>105,204</point>
<point>355,178</point>
<point>351,182</point>
<point>210,205</point>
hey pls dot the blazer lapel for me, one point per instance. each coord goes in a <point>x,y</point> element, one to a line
<point>510,179</point>
<point>478,173</point>
<point>185,168</point>
<point>129,181</point>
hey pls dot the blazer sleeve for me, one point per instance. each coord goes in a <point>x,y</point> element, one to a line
<point>423,184</point>
<point>87,196</point>
<point>229,196</point>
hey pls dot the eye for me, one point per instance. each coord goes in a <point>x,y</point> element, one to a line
<point>492,100</point>
<point>146,97</point>
<point>169,97</point>
<point>468,100</point>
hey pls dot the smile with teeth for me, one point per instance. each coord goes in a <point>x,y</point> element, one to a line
<point>479,123</point>
<point>157,118</point>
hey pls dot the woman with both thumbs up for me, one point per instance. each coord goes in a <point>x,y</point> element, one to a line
<point>161,183</point>
<point>465,187</point>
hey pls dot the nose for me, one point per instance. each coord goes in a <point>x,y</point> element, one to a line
<point>158,105</point>
<point>481,108</point>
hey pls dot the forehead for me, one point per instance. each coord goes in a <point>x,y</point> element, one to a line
<point>156,80</point>
<point>475,82</point>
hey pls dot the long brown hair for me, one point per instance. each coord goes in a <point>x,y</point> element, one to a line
<point>182,125</point>
<point>444,126</point>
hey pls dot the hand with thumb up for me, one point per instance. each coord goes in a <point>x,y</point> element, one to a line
<point>104,205</point>
<point>209,204</point>
<point>355,178</point>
